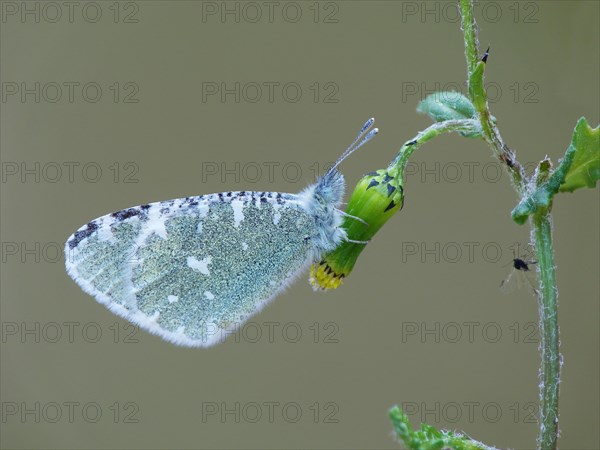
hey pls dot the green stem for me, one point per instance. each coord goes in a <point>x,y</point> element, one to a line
<point>469,28</point>
<point>541,232</point>
<point>549,339</point>
<point>477,93</point>
<point>398,165</point>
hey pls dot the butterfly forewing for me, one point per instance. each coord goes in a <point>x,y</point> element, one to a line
<point>191,270</point>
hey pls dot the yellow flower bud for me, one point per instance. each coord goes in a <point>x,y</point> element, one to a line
<point>376,198</point>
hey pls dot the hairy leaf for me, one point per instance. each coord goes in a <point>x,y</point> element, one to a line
<point>584,155</point>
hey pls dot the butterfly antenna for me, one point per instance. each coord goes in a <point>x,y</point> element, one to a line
<point>354,146</point>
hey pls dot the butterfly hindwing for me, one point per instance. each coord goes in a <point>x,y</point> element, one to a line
<point>191,270</point>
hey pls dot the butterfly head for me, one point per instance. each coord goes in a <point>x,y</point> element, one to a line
<point>323,198</point>
<point>329,190</point>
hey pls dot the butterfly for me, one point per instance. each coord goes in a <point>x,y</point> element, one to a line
<point>193,269</point>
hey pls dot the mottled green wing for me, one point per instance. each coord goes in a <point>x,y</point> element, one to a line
<point>192,270</point>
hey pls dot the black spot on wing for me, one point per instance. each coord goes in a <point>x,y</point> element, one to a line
<point>126,214</point>
<point>82,234</point>
<point>189,201</point>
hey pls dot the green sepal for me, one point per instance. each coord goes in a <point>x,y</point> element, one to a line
<point>376,198</point>
<point>543,171</point>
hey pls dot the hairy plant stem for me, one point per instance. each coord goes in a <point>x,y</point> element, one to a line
<point>542,236</point>
<point>398,165</point>
<point>491,134</point>
<point>469,29</point>
<point>549,338</point>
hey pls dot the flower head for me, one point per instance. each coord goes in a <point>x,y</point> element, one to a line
<point>376,198</point>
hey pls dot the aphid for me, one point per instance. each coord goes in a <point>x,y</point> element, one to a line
<point>517,275</point>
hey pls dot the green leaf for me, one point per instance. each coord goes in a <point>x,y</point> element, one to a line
<point>448,105</point>
<point>428,437</point>
<point>584,154</point>
<point>476,88</point>
<point>580,167</point>
<point>531,204</point>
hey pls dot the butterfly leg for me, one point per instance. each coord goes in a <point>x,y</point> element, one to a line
<point>357,242</point>
<point>345,214</point>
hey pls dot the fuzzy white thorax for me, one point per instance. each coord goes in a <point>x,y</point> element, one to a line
<point>321,200</point>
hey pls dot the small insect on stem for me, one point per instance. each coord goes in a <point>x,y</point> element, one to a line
<point>520,264</point>
<point>506,160</point>
<point>516,275</point>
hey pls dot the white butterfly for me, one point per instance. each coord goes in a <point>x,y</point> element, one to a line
<point>191,270</point>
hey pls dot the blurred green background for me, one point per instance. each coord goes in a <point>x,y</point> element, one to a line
<point>106,105</point>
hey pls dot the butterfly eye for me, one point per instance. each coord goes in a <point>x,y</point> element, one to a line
<point>319,200</point>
